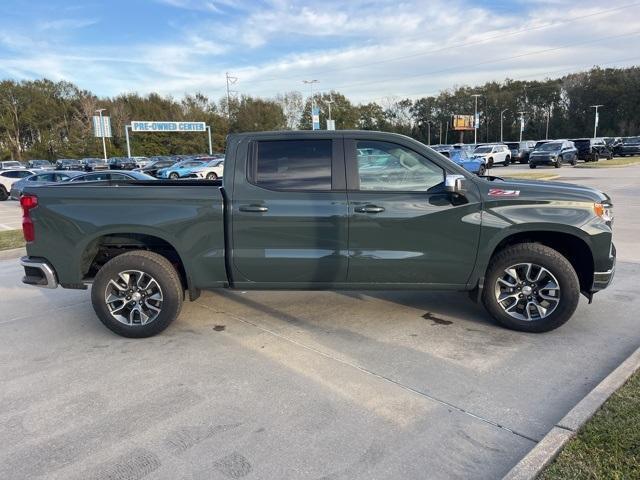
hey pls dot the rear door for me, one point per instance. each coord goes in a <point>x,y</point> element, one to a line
<point>404,227</point>
<point>289,212</point>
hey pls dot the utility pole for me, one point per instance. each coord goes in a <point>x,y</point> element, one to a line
<point>546,135</point>
<point>521,124</point>
<point>313,102</point>
<point>501,118</point>
<point>329,102</point>
<point>476,120</point>
<point>595,120</point>
<point>440,134</point>
<point>230,81</point>
<point>428,132</point>
<point>104,143</point>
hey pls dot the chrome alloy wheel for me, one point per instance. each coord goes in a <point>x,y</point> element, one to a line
<point>133,298</point>
<point>527,291</point>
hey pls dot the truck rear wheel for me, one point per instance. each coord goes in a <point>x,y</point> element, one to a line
<point>531,288</point>
<point>137,294</point>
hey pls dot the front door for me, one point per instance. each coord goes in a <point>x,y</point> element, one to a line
<point>289,213</point>
<point>404,227</point>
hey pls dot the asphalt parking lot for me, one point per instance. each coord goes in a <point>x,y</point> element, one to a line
<point>333,385</point>
<point>10,215</point>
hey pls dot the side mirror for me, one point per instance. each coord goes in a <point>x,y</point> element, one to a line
<point>455,184</point>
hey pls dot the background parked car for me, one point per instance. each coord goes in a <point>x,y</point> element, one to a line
<point>40,164</point>
<point>211,170</point>
<point>9,177</point>
<point>155,164</point>
<point>182,169</point>
<point>94,164</point>
<point>68,164</point>
<point>520,150</point>
<point>122,163</point>
<point>111,175</point>
<point>41,178</point>
<point>627,146</point>
<point>141,162</point>
<point>554,153</point>
<point>493,154</point>
<point>592,149</point>
<point>460,156</point>
<point>10,165</point>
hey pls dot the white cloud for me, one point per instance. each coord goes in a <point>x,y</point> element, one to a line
<point>364,49</point>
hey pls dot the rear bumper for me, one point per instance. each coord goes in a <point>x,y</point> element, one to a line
<point>38,272</point>
<point>602,280</point>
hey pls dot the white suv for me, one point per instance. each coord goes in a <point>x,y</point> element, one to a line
<point>493,154</point>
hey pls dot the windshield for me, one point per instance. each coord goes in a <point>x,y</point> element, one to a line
<point>214,163</point>
<point>631,140</point>
<point>40,162</point>
<point>11,164</point>
<point>513,146</point>
<point>549,147</point>
<point>582,143</point>
<point>483,150</point>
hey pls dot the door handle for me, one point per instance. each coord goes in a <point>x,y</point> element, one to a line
<point>369,209</point>
<point>253,208</point>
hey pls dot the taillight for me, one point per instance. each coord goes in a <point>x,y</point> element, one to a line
<point>28,202</point>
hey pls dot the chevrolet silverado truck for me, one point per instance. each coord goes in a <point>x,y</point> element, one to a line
<point>310,210</point>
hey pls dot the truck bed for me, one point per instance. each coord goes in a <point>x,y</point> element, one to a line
<point>185,214</point>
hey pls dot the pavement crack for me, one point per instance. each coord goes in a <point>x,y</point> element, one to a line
<point>378,375</point>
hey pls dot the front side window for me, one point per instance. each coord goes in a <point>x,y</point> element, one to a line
<point>392,167</point>
<point>292,164</point>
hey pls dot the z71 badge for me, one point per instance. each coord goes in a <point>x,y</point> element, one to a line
<point>499,192</point>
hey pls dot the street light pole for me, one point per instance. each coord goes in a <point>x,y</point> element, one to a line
<point>595,120</point>
<point>104,143</point>
<point>521,124</point>
<point>501,117</point>
<point>313,105</point>
<point>476,120</point>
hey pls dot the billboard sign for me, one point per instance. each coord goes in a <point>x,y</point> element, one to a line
<point>101,126</point>
<point>463,122</point>
<point>331,124</point>
<point>148,126</point>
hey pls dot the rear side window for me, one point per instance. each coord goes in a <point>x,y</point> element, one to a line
<point>292,165</point>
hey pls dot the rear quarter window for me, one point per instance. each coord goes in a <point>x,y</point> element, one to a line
<point>291,164</point>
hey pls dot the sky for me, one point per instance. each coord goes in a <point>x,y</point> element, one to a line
<point>367,49</point>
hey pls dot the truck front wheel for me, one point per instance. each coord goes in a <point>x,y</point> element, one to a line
<point>531,288</point>
<point>137,294</point>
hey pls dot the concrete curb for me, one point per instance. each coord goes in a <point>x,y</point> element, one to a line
<point>13,253</point>
<point>550,446</point>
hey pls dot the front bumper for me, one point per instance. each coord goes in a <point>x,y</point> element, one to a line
<point>602,280</point>
<point>38,272</point>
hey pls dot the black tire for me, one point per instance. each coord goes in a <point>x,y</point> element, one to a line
<point>532,165</point>
<point>490,163</point>
<point>596,157</point>
<point>482,170</point>
<point>545,257</point>
<point>507,161</point>
<point>174,176</point>
<point>558,163</point>
<point>3,194</point>
<point>151,264</point>
<point>212,176</point>
<point>574,162</point>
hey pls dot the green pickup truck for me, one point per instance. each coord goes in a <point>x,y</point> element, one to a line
<point>322,210</point>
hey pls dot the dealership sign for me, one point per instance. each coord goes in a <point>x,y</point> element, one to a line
<point>146,126</point>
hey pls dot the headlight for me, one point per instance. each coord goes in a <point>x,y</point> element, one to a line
<point>603,211</point>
